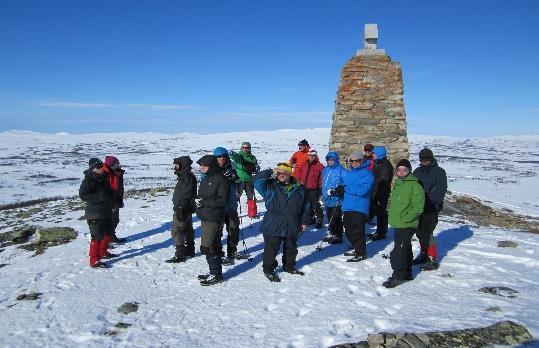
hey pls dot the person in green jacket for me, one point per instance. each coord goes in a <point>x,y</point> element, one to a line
<point>406,205</point>
<point>246,165</point>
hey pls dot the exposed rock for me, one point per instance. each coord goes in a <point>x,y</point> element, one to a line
<point>121,325</point>
<point>128,307</point>
<point>55,234</point>
<point>29,297</point>
<point>502,333</point>
<point>507,244</point>
<point>3,264</point>
<point>500,291</point>
<point>18,236</point>
<point>494,309</point>
<point>473,210</point>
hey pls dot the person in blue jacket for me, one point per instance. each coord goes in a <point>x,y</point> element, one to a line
<point>287,216</point>
<point>332,177</point>
<point>231,218</point>
<point>357,188</point>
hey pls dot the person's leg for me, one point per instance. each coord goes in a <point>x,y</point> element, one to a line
<point>381,218</point>
<point>97,235</point>
<point>106,225</point>
<point>399,256</point>
<point>233,230</point>
<point>209,246</point>
<point>189,236</point>
<point>271,249</point>
<point>290,252</point>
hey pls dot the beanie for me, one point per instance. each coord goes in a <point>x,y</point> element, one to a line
<point>303,143</point>
<point>283,167</point>
<point>356,155</point>
<point>112,162</point>
<point>404,163</point>
<point>95,163</point>
<point>426,154</point>
<point>220,151</point>
<point>368,147</point>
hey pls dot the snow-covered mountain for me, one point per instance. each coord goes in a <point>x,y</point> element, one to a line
<point>334,302</point>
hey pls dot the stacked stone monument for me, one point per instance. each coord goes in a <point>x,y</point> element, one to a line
<point>369,106</point>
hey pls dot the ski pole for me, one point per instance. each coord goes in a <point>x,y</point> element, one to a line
<point>243,238</point>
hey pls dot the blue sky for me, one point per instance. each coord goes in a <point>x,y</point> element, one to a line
<point>470,67</point>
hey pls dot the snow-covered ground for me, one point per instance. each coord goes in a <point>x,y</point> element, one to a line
<point>334,302</point>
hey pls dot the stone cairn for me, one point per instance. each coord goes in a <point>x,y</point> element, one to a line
<point>369,106</point>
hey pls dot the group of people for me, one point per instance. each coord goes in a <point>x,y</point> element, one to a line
<point>296,194</point>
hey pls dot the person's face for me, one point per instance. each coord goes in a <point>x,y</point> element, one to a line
<point>312,158</point>
<point>176,166</point>
<point>368,153</point>
<point>98,169</point>
<point>222,160</point>
<point>424,162</point>
<point>204,168</point>
<point>355,163</point>
<point>301,147</point>
<point>402,171</point>
<point>245,148</point>
<point>330,161</point>
<point>283,177</point>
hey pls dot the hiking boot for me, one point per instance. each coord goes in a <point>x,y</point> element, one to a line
<point>335,240</point>
<point>376,236</point>
<point>393,282</point>
<point>273,277</point>
<point>227,261</point>
<point>203,276</point>
<point>357,258</point>
<point>420,259</point>
<point>100,264</point>
<point>190,250</point>
<point>294,271</point>
<point>212,280</point>
<point>350,253</point>
<point>117,240</point>
<point>176,259</point>
<point>431,264</point>
<point>109,255</point>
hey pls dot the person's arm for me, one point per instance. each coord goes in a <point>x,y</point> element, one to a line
<point>89,192</point>
<point>438,191</point>
<point>417,203</point>
<point>261,181</point>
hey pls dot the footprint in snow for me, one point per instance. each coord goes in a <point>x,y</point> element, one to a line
<point>296,342</point>
<point>302,311</point>
<point>381,291</point>
<point>366,305</point>
<point>382,324</point>
<point>346,327</point>
<point>271,307</point>
<point>390,311</point>
<point>352,288</point>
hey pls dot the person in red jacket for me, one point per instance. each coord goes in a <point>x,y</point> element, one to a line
<point>310,176</point>
<point>115,179</point>
<point>301,156</point>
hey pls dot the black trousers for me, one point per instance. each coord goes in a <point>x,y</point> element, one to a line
<point>99,228</point>
<point>248,188</point>
<point>232,224</point>
<point>272,244</point>
<point>401,256</point>
<point>354,225</point>
<point>425,233</point>
<point>314,199</point>
<point>335,221</point>
<point>182,230</point>
<point>210,245</point>
<point>378,208</point>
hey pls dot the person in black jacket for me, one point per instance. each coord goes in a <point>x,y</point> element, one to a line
<point>211,200</point>
<point>98,195</point>
<point>434,181</point>
<point>383,175</point>
<point>183,200</point>
<point>287,216</point>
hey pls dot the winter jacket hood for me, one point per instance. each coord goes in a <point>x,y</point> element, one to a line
<point>211,161</point>
<point>380,152</point>
<point>335,157</point>
<point>220,151</point>
<point>332,176</point>
<point>185,165</point>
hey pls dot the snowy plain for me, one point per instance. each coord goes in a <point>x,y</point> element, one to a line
<point>335,302</point>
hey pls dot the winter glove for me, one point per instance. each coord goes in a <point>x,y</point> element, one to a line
<point>338,191</point>
<point>273,175</point>
<point>330,192</point>
<point>232,153</point>
<point>198,202</point>
<point>257,168</point>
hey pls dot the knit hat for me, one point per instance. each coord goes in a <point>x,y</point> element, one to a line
<point>404,163</point>
<point>368,147</point>
<point>112,162</point>
<point>426,154</point>
<point>303,143</point>
<point>356,155</point>
<point>313,152</point>
<point>95,163</point>
<point>283,167</point>
<point>220,151</point>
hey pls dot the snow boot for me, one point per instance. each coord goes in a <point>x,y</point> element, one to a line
<point>94,252</point>
<point>295,271</point>
<point>227,261</point>
<point>350,253</point>
<point>357,258</point>
<point>117,240</point>
<point>273,277</point>
<point>109,255</point>
<point>252,209</point>
<point>190,249</point>
<point>431,264</point>
<point>104,245</point>
<point>393,282</point>
<point>179,256</point>
<point>100,264</point>
<point>420,259</point>
<point>328,238</point>
<point>212,280</point>
<point>203,276</point>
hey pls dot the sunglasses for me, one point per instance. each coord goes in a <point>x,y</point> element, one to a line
<point>245,147</point>
<point>355,161</point>
<point>282,174</point>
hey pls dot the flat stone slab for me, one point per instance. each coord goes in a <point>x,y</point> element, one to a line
<point>507,244</point>
<point>29,297</point>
